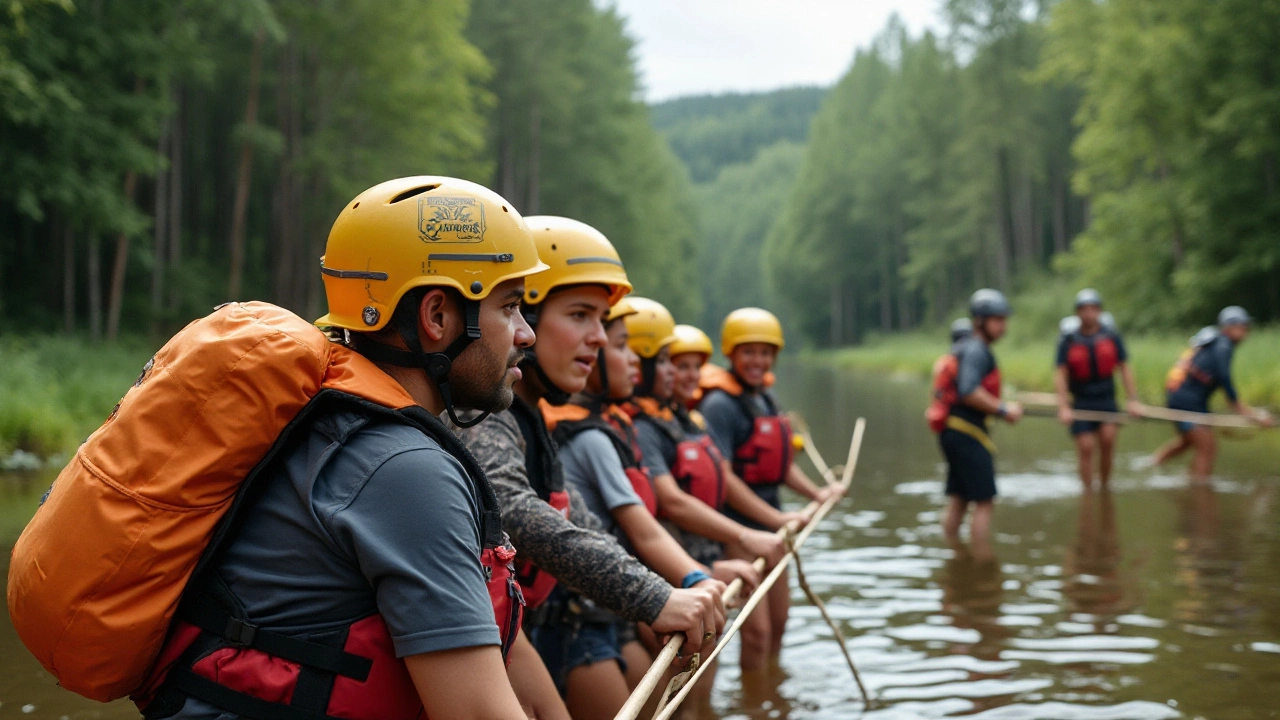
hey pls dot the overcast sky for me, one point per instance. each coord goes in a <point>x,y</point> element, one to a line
<point>698,46</point>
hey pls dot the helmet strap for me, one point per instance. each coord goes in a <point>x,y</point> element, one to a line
<point>436,365</point>
<point>648,373</point>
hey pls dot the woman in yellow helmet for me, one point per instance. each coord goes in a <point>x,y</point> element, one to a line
<point>560,541</point>
<point>750,430</point>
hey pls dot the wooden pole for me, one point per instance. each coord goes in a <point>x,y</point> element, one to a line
<point>815,512</point>
<point>1147,412</point>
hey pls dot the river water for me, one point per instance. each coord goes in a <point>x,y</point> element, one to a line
<point>1155,600</point>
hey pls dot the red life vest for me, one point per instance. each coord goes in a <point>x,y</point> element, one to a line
<point>697,464</point>
<point>945,393</point>
<point>765,457</point>
<point>566,421</point>
<point>1089,361</point>
<point>546,477</point>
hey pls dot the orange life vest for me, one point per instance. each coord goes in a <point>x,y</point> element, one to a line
<point>566,421</point>
<point>765,457</point>
<point>546,477</point>
<point>697,463</point>
<point>137,516</point>
<point>945,393</point>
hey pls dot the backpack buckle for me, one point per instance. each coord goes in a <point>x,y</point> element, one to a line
<point>239,633</point>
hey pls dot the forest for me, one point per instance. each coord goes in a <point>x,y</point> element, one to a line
<point>165,156</point>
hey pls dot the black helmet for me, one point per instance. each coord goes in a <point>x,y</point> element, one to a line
<point>1088,296</point>
<point>989,303</point>
<point>1234,315</point>
<point>960,328</point>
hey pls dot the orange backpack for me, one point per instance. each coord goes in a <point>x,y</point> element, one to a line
<point>96,576</point>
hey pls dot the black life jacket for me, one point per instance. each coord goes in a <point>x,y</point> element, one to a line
<point>546,477</point>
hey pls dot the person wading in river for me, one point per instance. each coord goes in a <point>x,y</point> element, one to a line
<point>1203,368</point>
<point>1088,358</point>
<point>563,545</point>
<point>691,479</point>
<point>751,432</point>
<point>970,398</point>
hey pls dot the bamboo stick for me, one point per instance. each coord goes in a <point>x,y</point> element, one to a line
<point>855,446</point>
<point>1148,412</point>
<point>814,511</point>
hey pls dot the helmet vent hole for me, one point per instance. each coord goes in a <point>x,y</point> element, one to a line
<point>553,247</point>
<point>504,209</point>
<point>353,207</point>
<point>411,193</point>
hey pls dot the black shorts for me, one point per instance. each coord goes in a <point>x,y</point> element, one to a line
<point>971,470</point>
<point>1106,404</point>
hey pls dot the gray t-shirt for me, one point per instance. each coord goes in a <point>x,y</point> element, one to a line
<point>592,466</point>
<point>727,423</point>
<point>363,517</point>
<point>655,447</point>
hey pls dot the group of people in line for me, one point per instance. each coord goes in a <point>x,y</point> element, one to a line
<point>1090,354</point>
<point>516,481</point>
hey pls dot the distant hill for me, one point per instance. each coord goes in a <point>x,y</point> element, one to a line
<point>709,132</point>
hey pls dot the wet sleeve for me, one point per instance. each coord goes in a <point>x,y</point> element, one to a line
<point>1122,352</point>
<point>418,545</point>
<point>722,414</point>
<point>974,365</point>
<point>576,551</point>
<point>591,461</point>
<point>1062,351</point>
<point>653,448</point>
<point>1222,360</point>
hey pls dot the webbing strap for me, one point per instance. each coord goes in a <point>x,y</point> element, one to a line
<point>973,431</point>
<point>238,703</point>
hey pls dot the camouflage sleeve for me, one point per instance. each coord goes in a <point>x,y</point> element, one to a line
<point>583,558</point>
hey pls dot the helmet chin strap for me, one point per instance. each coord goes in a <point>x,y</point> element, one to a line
<point>437,365</point>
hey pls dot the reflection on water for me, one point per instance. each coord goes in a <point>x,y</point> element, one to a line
<point>1153,600</point>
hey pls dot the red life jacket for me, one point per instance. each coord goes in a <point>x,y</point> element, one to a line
<point>945,393</point>
<point>1089,361</point>
<point>697,463</point>
<point>566,421</point>
<point>546,477</point>
<point>765,457</point>
<point>217,654</point>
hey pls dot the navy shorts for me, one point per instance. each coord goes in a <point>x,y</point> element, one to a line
<point>1080,427</point>
<point>1181,403</point>
<point>768,493</point>
<point>571,644</point>
<point>971,469</point>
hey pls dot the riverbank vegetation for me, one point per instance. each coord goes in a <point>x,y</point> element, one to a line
<point>1027,361</point>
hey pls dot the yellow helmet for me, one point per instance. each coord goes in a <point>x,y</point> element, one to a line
<point>750,325</point>
<point>576,254</point>
<point>420,231</point>
<point>650,326</point>
<point>621,309</point>
<point>690,339</point>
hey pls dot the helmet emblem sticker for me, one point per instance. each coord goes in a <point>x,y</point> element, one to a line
<point>445,219</point>
<point>370,315</point>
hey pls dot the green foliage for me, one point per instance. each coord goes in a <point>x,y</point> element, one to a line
<point>572,138</point>
<point>57,390</point>
<point>709,132</point>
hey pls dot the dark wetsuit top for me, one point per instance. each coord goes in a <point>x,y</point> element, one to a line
<point>974,362</point>
<point>1213,360</point>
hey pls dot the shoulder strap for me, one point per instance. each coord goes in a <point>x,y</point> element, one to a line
<point>566,430</point>
<point>541,464</point>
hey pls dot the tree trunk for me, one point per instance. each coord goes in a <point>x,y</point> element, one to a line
<point>95,290</point>
<point>1058,188</point>
<point>160,227</point>
<point>68,279</point>
<point>535,156</point>
<point>244,173</point>
<point>286,206</point>
<point>175,195</point>
<point>115,297</point>
<point>886,294</point>
<point>837,314</point>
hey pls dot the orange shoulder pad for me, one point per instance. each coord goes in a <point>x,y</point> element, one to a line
<point>553,415</point>
<point>714,377</point>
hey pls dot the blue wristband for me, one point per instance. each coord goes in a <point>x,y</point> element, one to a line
<point>693,578</point>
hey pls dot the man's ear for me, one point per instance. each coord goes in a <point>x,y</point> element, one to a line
<point>434,315</point>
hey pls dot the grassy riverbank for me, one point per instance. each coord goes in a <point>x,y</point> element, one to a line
<point>56,390</point>
<point>1027,363</point>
